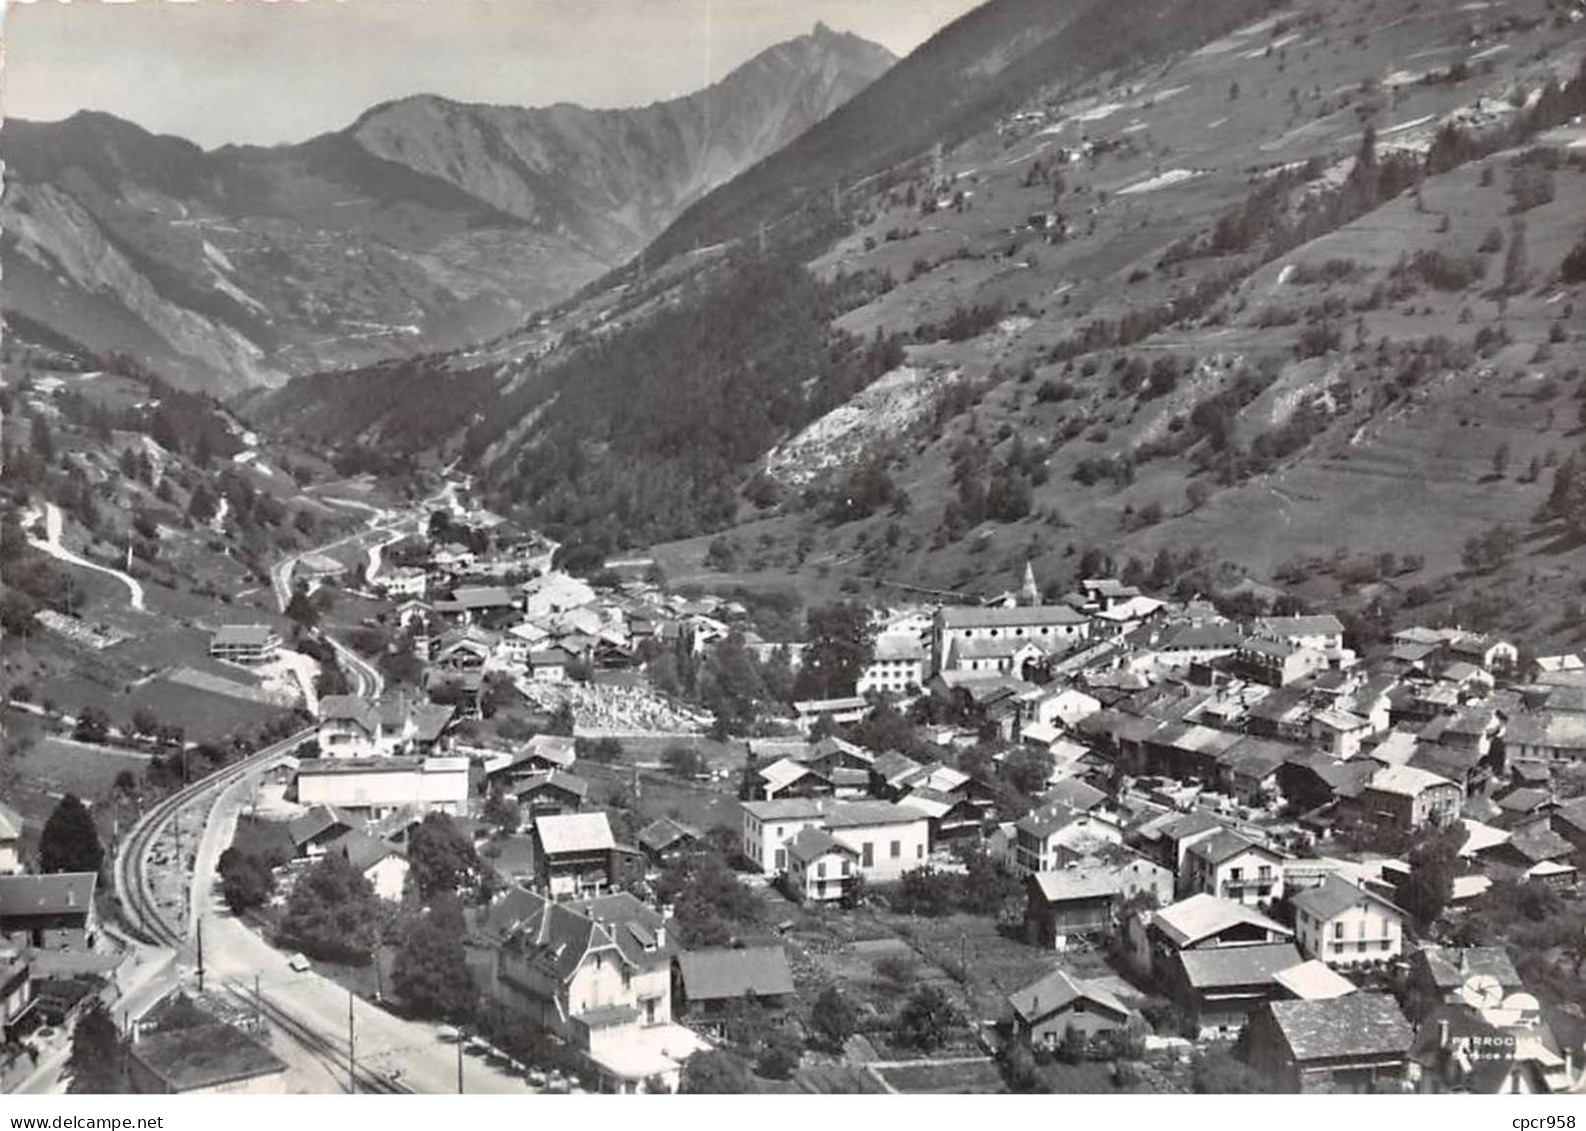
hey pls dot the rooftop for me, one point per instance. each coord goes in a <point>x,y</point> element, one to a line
<point>970,616</point>
<point>1201,916</point>
<point>1055,991</point>
<point>244,635</point>
<point>1335,896</point>
<point>1223,966</point>
<point>1314,980</point>
<point>61,893</point>
<point>1350,1026</point>
<point>724,973</point>
<point>204,1056</point>
<point>574,832</point>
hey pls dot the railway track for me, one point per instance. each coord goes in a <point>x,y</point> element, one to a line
<point>145,920</point>
<point>331,1053</point>
<point>141,913</point>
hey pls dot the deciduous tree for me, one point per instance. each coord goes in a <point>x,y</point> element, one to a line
<point>70,841</point>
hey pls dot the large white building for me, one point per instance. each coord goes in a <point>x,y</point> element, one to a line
<point>898,665</point>
<point>382,785</point>
<point>889,839</point>
<point>1052,628</point>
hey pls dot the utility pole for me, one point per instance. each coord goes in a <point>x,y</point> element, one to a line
<point>461,1040</point>
<point>200,956</point>
<point>352,1050</point>
<point>258,1004</point>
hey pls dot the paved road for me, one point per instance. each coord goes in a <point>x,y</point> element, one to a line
<point>51,545</point>
<point>235,955</point>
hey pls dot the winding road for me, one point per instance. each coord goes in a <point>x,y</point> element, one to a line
<point>51,545</point>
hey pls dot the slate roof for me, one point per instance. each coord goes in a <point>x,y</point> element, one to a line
<point>663,832</point>
<point>203,1056</point>
<point>574,832</point>
<point>350,708</point>
<point>316,822</point>
<point>898,646</point>
<point>969,616</point>
<point>1223,966</point>
<point>1076,794</point>
<point>1323,625</point>
<point>1565,730</point>
<point>1043,822</point>
<point>1077,883</point>
<point>893,766</point>
<point>813,843</point>
<point>1225,846</point>
<point>1541,843</point>
<point>1055,991</point>
<point>857,814</point>
<point>1405,781</point>
<point>785,808</point>
<point>554,748</point>
<point>1334,896</point>
<point>363,851</point>
<point>61,893</point>
<point>1336,1028</point>
<point>1450,966</point>
<point>552,779</point>
<point>723,974</point>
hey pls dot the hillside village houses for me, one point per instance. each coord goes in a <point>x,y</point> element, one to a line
<point>1211,781</point>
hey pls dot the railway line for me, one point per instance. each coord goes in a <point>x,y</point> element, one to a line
<point>144,919</point>
<point>147,922</point>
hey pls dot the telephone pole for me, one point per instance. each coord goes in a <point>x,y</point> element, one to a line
<point>461,1039</point>
<point>200,956</point>
<point>352,1049</point>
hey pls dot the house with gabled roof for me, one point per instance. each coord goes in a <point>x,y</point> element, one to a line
<point>1228,865</point>
<point>311,830</point>
<point>1439,973</point>
<point>52,912</point>
<point>665,839</point>
<point>707,983</point>
<point>1343,924</point>
<point>951,819</point>
<point>1046,1009</point>
<point>1355,1043</point>
<point>820,868</point>
<point>572,853</point>
<point>383,864</point>
<point>245,643</point>
<point>1220,987</point>
<point>1203,922</point>
<point>596,973</point>
<point>551,792</point>
<point>1407,799</point>
<point>787,778</point>
<point>1055,835</point>
<point>1086,899</point>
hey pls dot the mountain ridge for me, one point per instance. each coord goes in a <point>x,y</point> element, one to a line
<point>376,240</point>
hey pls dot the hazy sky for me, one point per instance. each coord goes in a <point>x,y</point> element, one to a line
<point>268,71</point>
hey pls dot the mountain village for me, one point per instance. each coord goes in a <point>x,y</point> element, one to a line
<point>1188,839</point>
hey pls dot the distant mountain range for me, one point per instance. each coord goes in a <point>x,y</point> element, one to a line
<point>423,225</point>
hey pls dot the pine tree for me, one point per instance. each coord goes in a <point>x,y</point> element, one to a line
<point>95,1062</point>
